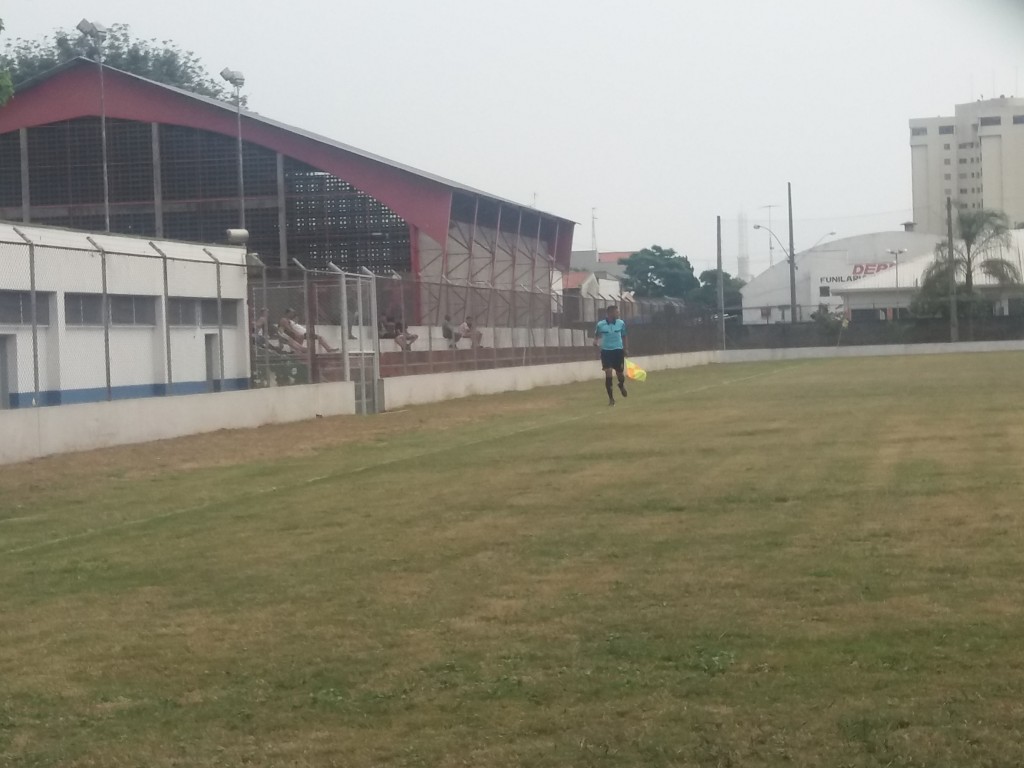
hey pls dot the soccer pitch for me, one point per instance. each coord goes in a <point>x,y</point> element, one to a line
<point>815,563</point>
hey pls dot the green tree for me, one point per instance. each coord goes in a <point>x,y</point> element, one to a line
<point>707,294</point>
<point>6,86</point>
<point>980,232</point>
<point>161,61</point>
<point>657,271</point>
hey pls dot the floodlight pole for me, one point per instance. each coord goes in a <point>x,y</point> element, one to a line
<point>98,33</point>
<point>241,171</point>
<point>237,80</point>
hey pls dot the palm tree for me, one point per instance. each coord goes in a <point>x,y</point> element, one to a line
<point>980,232</point>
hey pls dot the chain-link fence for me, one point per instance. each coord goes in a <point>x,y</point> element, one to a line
<point>91,318</point>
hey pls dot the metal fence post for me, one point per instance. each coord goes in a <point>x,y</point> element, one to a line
<point>346,327</point>
<point>362,354</point>
<point>376,338</point>
<point>106,315</point>
<point>265,356</point>
<point>167,321</point>
<point>310,338</point>
<point>220,317</point>
<point>35,317</point>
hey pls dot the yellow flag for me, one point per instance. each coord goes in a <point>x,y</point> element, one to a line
<point>635,372</point>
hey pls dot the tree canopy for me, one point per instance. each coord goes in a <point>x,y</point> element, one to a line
<point>657,272</point>
<point>706,296</point>
<point>162,61</point>
<point>6,86</point>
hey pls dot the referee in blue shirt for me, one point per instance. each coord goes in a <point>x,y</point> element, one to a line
<point>610,335</point>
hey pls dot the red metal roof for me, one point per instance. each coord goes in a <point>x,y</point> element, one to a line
<point>424,200</point>
<point>612,257</point>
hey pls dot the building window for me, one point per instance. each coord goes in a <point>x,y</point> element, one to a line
<point>946,161</point>
<point>945,146</point>
<point>83,309</point>
<point>963,175</point>
<point>16,308</point>
<point>133,310</point>
<point>989,121</point>
<point>963,190</point>
<point>1018,119</point>
<point>918,131</point>
<point>181,313</point>
<point>945,130</point>
<point>947,192</point>
<point>208,312</point>
<point>963,161</point>
<point>946,176</point>
<point>824,291</point>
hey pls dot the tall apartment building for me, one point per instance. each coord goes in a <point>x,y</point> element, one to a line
<point>975,157</point>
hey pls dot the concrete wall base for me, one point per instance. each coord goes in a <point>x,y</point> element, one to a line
<point>30,433</point>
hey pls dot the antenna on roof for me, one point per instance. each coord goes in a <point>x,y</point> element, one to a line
<point>593,231</point>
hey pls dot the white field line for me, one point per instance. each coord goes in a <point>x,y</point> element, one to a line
<point>366,468</point>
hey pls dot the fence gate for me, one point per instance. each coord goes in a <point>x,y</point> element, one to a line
<point>361,345</point>
<point>314,327</point>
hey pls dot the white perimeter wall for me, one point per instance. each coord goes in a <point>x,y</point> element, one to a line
<point>33,432</point>
<point>403,391</point>
<point>29,433</point>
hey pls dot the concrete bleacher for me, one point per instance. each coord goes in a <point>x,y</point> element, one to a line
<point>431,352</point>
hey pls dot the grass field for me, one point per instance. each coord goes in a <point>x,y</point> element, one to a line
<point>811,564</point>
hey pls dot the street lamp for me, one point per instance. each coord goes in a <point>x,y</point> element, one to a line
<point>237,80</point>
<point>896,256</point>
<point>818,241</point>
<point>98,33</point>
<point>777,240</point>
<point>792,270</point>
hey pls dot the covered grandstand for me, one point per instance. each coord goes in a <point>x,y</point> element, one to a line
<point>172,167</point>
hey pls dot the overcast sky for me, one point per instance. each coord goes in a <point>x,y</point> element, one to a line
<point>661,114</point>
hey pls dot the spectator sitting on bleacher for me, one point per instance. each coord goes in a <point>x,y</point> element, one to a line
<point>404,337</point>
<point>261,329</point>
<point>284,337</point>
<point>388,328</point>
<point>295,333</point>
<point>450,334</point>
<point>467,331</point>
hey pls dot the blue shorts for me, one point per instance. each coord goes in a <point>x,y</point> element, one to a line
<point>614,359</point>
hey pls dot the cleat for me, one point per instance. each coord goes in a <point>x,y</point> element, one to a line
<point>611,401</point>
<point>622,389</point>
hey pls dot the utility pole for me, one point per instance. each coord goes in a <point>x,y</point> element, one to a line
<point>792,258</point>
<point>954,321</point>
<point>721,289</point>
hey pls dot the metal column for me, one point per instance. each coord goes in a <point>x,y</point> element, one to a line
<point>220,318</point>
<point>35,318</point>
<point>106,315</point>
<point>167,320</point>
